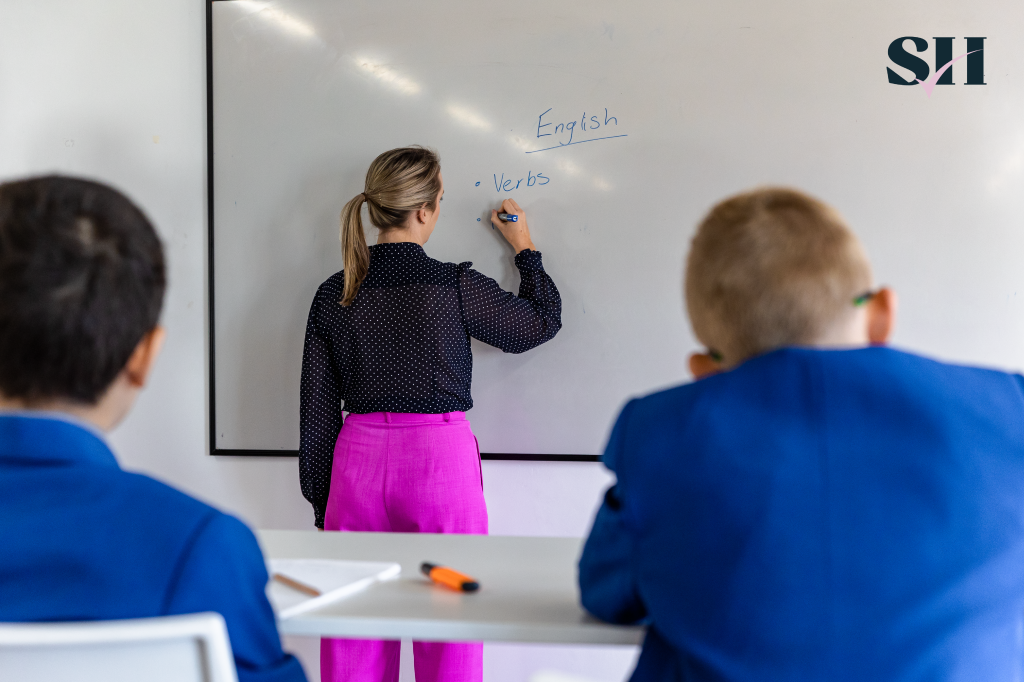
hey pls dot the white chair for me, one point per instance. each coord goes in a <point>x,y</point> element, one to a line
<point>191,648</point>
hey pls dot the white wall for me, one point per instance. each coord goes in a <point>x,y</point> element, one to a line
<point>115,90</point>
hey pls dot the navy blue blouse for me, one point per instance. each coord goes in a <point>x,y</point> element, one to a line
<point>403,345</point>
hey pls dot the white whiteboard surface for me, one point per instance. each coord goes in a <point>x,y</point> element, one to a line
<point>711,98</point>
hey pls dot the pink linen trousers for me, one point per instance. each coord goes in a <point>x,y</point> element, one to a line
<point>404,473</point>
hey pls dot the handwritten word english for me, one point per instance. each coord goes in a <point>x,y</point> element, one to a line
<point>564,132</point>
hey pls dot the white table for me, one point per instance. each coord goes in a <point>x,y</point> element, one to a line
<point>528,590</point>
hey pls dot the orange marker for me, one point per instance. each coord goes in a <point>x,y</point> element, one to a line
<point>449,578</point>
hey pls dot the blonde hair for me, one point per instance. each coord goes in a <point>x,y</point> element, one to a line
<point>398,182</point>
<point>771,268</point>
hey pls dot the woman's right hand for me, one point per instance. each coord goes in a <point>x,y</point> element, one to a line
<point>518,233</point>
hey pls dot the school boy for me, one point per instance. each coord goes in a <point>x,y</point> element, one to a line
<point>818,506</point>
<point>81,287</point>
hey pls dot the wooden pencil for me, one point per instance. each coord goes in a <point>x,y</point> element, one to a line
<point>296,585</point>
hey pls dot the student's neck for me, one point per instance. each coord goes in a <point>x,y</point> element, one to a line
<point>104,415</point>
<point>79,412</point>
<point>849,332</point>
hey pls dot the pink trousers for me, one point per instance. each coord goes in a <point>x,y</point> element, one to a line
<point>404,473</point>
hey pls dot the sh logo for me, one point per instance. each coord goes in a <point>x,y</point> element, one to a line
<point>944,61</point>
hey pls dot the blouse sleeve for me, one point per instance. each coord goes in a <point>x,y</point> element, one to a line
<point>514,324</point>
<point>319,415</point>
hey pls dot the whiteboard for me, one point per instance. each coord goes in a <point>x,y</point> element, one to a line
<point>616,126</point>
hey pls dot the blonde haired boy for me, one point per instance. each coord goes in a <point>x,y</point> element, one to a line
<point>818,506</point>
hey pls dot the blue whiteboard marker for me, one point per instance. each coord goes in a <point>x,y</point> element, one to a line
<point>508,217</point>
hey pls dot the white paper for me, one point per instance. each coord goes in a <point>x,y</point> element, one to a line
<point>335,579</point>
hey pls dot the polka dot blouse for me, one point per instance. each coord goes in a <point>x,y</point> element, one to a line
<point>403,344</point>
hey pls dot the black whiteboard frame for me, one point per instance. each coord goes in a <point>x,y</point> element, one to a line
<point>210,280</point>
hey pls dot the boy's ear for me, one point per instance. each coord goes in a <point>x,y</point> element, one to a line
<point>144,356</point>
<point>703,365</point>
<point>881,311</point>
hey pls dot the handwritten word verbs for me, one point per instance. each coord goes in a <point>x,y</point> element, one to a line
<point>504,184</point>
<point>564,132</point>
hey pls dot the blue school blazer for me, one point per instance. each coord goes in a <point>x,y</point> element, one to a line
<point>818,515</point>
<point>80,539</point>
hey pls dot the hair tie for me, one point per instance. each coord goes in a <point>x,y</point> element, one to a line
<point>363,195</point>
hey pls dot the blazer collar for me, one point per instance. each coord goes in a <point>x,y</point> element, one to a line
<point>49,437</point>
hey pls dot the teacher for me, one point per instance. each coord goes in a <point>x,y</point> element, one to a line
<point>389,337</point>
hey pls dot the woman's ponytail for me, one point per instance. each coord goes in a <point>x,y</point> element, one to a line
<point>398,182</point>
<point>355,253</point>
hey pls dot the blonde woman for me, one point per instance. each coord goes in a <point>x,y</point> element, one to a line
<point>388,342</point>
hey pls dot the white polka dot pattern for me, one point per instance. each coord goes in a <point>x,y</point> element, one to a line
<point>403,345</point>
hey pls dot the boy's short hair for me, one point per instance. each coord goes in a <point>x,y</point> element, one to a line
<point>82,281</point>
<point>770,268</point>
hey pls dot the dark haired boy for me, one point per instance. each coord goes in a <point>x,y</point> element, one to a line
<point>81,286</point>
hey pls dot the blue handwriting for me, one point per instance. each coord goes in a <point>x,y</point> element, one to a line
<point>506,184</point>
<point>564,132</point>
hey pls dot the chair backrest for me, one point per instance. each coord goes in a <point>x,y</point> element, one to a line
<point>191,648</point>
